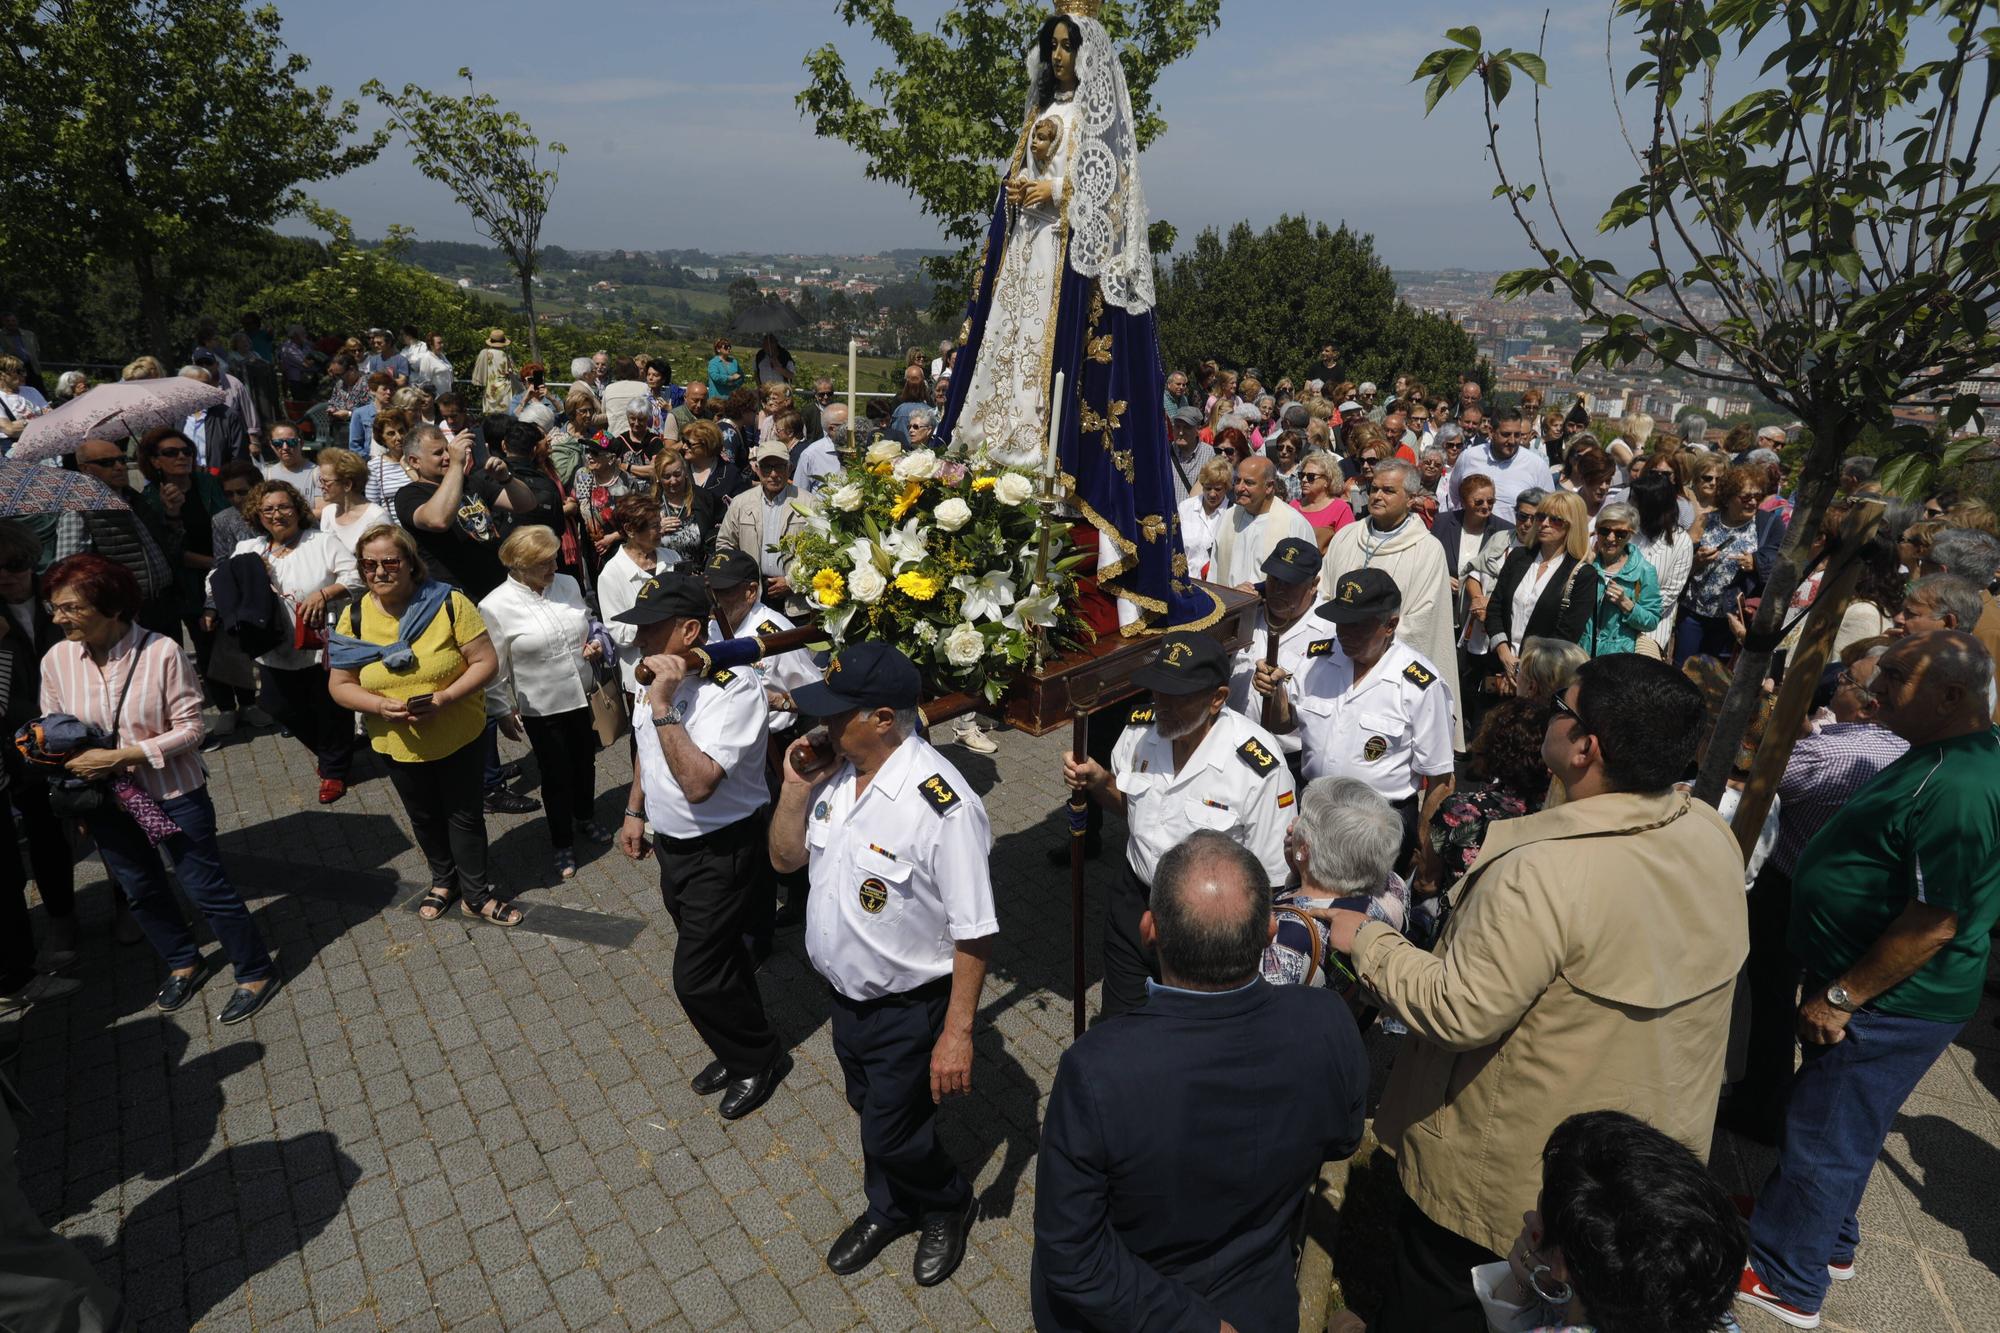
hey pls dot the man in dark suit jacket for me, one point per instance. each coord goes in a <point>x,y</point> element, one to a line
<point>1181,1137</point>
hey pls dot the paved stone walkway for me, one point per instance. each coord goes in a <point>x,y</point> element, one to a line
<point>453,1126</point>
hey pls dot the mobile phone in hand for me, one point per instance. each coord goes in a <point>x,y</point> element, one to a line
<point>418,703</point>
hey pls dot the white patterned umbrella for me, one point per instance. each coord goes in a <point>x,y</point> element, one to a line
<point>112,412</point>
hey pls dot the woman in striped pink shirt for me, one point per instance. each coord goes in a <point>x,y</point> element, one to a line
<point>111,673</point>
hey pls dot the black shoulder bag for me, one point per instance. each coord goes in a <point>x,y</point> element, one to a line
<point>71,797</point>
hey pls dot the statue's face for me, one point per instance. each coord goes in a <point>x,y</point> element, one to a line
<point>1062,55</point>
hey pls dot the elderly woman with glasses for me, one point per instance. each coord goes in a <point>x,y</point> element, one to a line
<point>1318,484</point>
<point>113,673</point>
<point>311,572</point>
<point>1724,567</point>
<point>412,656</point>
<point>1628,588</point>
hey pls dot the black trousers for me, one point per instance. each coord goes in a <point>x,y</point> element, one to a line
<point>1429,1284</point>
<point>884,1048</point>
<point>1100,738</point>
<point>1128,963</point>
<point>705,884</point>
<point>17,937</point>
<point>447,808</point>
<point>297,696</point>
<point>226,698</point>
<point>1771,978</point>
<point>50,858</point>
<point>566,751</point>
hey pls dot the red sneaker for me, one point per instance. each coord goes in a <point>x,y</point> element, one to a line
<point>1750,1289</point>
<point>331,790</point>
<point>1746,1205</point>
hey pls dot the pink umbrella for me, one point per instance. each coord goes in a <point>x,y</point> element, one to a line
<point>112,412</point>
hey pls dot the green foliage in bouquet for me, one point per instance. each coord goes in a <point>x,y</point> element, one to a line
<point>937,556</point>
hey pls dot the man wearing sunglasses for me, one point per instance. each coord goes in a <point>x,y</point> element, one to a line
<point>1589,963</point>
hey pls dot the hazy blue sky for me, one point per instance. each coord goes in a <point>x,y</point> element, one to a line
<point>682,130</point>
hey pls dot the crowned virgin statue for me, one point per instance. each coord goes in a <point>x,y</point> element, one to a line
<point>1065,284</point>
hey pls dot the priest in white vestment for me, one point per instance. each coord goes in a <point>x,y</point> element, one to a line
<point>1257,523</point>
<point>1394,539</point>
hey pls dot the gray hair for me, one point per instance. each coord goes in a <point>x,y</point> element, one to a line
<point>1954,657</point>
<point>1434,452</point>
<point>1529,497</point>
<point>195,373</point>
<point>906,724</point>
<point>1448,432</point>
<point>1694,426</point>
<point>826,417</point>
<point>923,416</point>
<point>420,438</point>
<point>1949,595</point>
<point>1970,554</point>
<point>1858,466</point>
<point>1413,480</point>
<point>579,366</point>
<point>1199,944</point>
<point>1762,457</point>
<point>1351,836</point>
<point>1619,512</point>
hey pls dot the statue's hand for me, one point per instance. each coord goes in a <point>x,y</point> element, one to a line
<point>1037,194</point>
<point>1015,187</point>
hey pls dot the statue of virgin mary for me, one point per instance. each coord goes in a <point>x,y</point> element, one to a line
<point>1065,283</point>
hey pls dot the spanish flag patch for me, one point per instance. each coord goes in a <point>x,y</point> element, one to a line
<point>1285,799</point>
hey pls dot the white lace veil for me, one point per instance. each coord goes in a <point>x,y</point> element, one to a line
<point>1107,207</point>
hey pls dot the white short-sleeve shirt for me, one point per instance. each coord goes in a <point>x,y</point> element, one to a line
<point>1391,730</point>
<point>899,873</point>
<point>1294,648</point>
<point>787,671</point>
<point>1235,783</point>
<point>727,719</point>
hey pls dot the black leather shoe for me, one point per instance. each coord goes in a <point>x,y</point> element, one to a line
<point>941,1247</point>
<point>179,990</point>
<point>246,1002</point>
<point>500,801</point>
<point>714,1078</point>
<point>1093,847</point>
<point>855,1248</point>
<point>747,1094</point>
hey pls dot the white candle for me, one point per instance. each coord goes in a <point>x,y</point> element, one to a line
<point>853,351</point>
<point>1050,468</point>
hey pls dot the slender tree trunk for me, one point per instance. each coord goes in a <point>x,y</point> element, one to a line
<point>528,299</point>
<point>1818,479</point>
<point>153,308</point>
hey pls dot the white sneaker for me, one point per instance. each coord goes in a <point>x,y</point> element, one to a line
<point>253,716</point>
<point>225,722</point>
<point>976,740</point>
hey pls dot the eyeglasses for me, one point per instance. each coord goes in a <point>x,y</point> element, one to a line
<point>176,452</point>
<point>274,511</point>
<point>1312,476</point>
<point>1561,706</point>
<point>1551,518</point>
<point>1420,421</point>
<point>392,565</point>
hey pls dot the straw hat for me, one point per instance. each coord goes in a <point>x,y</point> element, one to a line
<point>497,338</point>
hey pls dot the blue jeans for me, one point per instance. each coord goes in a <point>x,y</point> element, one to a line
<point>1704,634</point>
<point>1843,1101</point>
<point>135,867</point>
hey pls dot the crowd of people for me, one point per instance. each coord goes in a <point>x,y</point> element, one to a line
<point>1447,780</point>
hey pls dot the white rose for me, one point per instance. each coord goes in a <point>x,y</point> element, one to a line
<point>846,498</point>
<point>884,451</point>
<point>964,645</point>
<point>920,465</point>
<point>866,584</point>
<point>1013,489</point>
<point>952,515</point>
<point>927,633</point>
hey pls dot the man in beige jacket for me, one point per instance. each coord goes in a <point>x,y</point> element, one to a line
<point>1588,964</point>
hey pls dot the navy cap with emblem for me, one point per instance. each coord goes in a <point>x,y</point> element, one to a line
<point>1362,594</point>
<point>862,675</point>
<point>1293,560</point>
<point>730,568</point>
<point>669,596</point>
<point>1188,663</point>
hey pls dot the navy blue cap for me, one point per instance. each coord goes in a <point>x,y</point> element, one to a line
<point>1188,663</point>
<point>1362,594</point>
<point>862,675</point>
<point>731,568</point>
<point>1293,560</point>
<point>669,596</point>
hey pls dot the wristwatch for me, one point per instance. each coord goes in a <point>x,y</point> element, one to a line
<point>1837,996</point>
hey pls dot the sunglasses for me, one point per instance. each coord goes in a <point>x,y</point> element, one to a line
<point>172,453</point>
<point>1561,707</point>
<point>115,460</point>
<point>1618,534</point>
<point>1551,518</point>
<point>1312,476</point>
<point>393,565</point>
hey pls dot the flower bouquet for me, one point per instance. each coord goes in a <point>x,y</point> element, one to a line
<point>937,555</point>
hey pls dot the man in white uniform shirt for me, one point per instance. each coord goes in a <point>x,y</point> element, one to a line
<point>1291,585</point>
<point>1372,708</point>
<point>1252,530</point>
<point>1186,762</point>
<point>699,781</point>
<point>901,924</point>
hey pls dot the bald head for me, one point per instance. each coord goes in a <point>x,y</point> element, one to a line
<point>1256,484</point>
<point>1210,914</point>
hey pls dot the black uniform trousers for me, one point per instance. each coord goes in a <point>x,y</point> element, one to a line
<point>1771,981</point>
<point>884,1047</point>
<point>1128,963</point>
<point>706,883</point>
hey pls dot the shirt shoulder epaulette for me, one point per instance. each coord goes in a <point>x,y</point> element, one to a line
<point>939,793</point>
<point>1319,648</point>
<point>1257,756</point>
<point>1418,675</point>
<point>722,677</point>
<point>768,627</point>
<point>1141,716</point>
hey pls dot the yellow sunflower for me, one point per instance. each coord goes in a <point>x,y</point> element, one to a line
<point>918,587</point>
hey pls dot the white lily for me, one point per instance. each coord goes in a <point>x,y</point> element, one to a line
<point>1038,609</point>
<point>835,622</point>
<point>907,545</point>
<point>986,597</point>
<point>861,552</point>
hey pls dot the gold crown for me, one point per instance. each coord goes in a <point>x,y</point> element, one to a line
<point>1083,9</point>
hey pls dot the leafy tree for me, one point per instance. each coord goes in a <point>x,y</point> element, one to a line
<point>1838,212</point>
<point>1272,299</point>
<point>951,104</point>
<point>153,135</point>
<point>490,160</point>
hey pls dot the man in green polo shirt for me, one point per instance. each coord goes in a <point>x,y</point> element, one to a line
<point>1892,905</point>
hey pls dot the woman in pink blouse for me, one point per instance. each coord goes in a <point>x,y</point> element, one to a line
<point>138,685</point>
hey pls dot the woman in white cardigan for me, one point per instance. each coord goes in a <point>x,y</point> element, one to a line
<point>541,635</point>
<point>1668,549</point>
<point>312,573</point>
